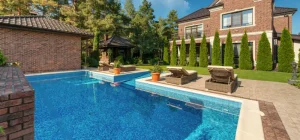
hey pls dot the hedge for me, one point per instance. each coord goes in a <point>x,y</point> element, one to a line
<point>229,54</point>
<point>286,53</point>
<point>203,62</point>
<point>216,51</point>
<point>264,56</point>
<point>174,53</point>
<point>182,53</point>
<point>192,55</point>
<point>245,61</point>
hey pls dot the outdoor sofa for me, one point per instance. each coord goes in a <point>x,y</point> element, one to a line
<point>180,76</point>
<point>222,79</point>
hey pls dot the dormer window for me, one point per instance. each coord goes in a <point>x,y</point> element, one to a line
<point>237,19</point>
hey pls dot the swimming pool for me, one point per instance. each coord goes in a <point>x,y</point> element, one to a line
<point>75,106</point>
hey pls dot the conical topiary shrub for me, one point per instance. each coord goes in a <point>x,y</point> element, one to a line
<point>264,56</point>
<point>216,51</point>
<point>286,53</point>
<point>182,53</point>
<point>229,54</point>
<point>2,58</point>
<point>299,61</point>
<point>203,62</point>
<point>245,61</point>
<point>192,55</point>
<point>174,53</point>
<point>166,52</point>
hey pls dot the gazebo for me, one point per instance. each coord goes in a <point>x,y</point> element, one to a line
<point>120,46</point>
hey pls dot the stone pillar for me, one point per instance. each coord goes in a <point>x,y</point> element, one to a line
<point>16,105</point>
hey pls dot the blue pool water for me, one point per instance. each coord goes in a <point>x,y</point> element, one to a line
<point>75,106</point>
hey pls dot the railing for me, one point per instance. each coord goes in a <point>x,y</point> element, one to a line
<point>194,34</point>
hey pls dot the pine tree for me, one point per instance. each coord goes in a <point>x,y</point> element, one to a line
<point>229,54</point>
<point>15,7</point>
<point>216,51</point>
<point>245,61</point>
<point>129,8</point>
<point>286,53</point>
<point>174,53</point>
<point>192,55</point>
<point>166,52</point>
<point>183,53</point>
<point>264,56</point>
<point>203,62</point>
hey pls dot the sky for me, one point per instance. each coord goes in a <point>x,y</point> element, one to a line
<point>185,7</point>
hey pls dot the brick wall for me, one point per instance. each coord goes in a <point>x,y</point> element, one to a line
<point>16,105</point>
<point>281,22</point>
<point>41,52</point>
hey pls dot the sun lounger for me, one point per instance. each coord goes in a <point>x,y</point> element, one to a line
<point>222,79</point>
<point>180,76</point>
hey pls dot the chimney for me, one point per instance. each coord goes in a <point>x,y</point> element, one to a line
<point>105,37</point>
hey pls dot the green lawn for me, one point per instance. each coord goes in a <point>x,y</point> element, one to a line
<point>244,74</point>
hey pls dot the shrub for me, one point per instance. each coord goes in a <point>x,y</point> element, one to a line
<point>92,62</point>
<point>95,54</point>
<point>117,64</point>
<point>192,56</point>
<point>2,130</point>
<point>2,58</point>
<point>174,53</point>
<point>299,61</point>
<point>203,53</point>
<point>120,58</point>
<point>264,56</point>
<point>245,62</point>
<point>182,53</point>
<point>216,51</point>
<point>229,54</point>
<point>153,61</point>
<point>166,52</point>
<point>156,69</point>
<point>286,53</point>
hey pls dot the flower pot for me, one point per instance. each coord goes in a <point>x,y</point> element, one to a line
<point>155,77</point>
<point>117,71</point>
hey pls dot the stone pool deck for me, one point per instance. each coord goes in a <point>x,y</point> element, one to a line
<point>280,103</point>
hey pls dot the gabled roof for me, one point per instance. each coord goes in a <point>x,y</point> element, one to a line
<point>41,23</point>
<point>116,41</point>
<point>199,14</point>
<point>204,12</point>
<point>283,11</point>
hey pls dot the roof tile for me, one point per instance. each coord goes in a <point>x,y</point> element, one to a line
<point>41,22</point>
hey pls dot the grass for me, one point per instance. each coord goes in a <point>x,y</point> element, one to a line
<point>244,74</point>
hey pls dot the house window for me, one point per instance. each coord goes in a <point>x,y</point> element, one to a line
<point>238,19</point>
<point>195,31</point>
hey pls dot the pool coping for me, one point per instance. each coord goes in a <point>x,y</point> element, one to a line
<point>55,72</point>
<point>249,124</point>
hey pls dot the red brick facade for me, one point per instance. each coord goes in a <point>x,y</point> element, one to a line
<point>281,22</point>
<point>263,21</point>
<point>41,51</point>
<point>16,105</point>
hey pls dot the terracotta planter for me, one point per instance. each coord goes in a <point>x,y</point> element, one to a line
<point>117,71</point>
<point>155,77</point>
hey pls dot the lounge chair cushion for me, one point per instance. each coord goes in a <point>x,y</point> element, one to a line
<point>179,71</point>
<point>217,71</point>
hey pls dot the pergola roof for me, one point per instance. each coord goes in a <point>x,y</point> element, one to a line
<point>116,41</point>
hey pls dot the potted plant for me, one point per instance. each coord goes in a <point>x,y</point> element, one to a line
<point>155,71</point>
<point>117,68</point>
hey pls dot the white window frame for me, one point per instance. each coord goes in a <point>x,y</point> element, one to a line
<point>238,10</point>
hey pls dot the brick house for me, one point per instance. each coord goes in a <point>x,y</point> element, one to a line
<point>41,44</point>
<point>254,16</point>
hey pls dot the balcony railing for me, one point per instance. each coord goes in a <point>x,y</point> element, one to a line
<point>194,34</point>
